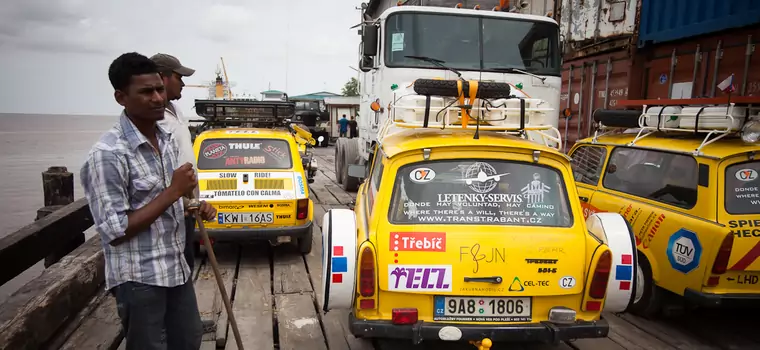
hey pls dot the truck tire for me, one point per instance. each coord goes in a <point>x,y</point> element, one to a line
<point>448,88</point>
<point>350,150</point>
<point>338,160</point>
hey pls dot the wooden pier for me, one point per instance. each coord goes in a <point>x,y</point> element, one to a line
<point>274,293</point>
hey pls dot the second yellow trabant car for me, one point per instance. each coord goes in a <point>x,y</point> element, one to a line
<point>691,196</point>
<point>257,182</point>
<point>457,238</point>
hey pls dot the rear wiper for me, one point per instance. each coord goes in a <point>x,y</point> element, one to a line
<point>515,70</point>
<point>436,62</point>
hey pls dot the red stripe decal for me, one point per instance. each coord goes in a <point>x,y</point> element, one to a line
<point>748,259</point>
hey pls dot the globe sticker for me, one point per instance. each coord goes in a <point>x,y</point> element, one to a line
<point>481,177</point>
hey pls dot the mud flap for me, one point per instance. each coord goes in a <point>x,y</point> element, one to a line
<point>617,234</point>
<point>338,259</point>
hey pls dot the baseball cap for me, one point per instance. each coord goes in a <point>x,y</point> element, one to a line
<point>168,61</point>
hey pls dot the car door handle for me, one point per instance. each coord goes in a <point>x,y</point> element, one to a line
<point>585,199</point>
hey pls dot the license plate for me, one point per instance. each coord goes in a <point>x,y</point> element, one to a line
<point>482,309</point>
<point>246,218</point>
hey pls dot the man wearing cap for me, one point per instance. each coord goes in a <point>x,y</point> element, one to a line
<point>172,72</point>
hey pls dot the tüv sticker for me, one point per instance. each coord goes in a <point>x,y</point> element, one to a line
<point>567,282</point>
<point>422,175</point>
<point>746,175</point>
<point>423,278</point>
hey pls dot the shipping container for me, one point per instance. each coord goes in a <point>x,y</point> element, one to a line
<point>688,68</point>
<point>664,21</point>
<point>591,83</point>
<point>589,27</point>
<point>694,67</point>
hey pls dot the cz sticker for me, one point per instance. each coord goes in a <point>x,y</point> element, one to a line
<point>422,175</point>
<point>567,282</point>
<point>746,175</point>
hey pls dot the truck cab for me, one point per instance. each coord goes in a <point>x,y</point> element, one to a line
<point>402,43</point>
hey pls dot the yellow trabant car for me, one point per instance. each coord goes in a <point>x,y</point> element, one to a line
<point>693,202</point>
<point>256,181</point>
<point>455,239</point>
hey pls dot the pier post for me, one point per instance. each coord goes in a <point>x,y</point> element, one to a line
<point>58,190</point>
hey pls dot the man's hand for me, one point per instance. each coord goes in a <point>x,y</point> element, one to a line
<point>206,211</point>
<point>183,180</point>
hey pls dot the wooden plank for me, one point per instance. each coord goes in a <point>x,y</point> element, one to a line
<point>253,300</point>
<point>334,322</point>
<point>667,333</point>
<point>342,196</point>
<point>297,323</point>
<point>719,328</point>
<point>32,243</point>
<point>31,315</point>
<point>228,266</point>
<point>626,332</point>
<point>290,274</point>
<point>71,326</point>
<point>323,195</point>
<point>100,330</point>
<point>593,344</point>
<point>205,287</point>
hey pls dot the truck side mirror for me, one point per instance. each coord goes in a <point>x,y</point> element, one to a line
<point>366,64</point>
<point>369,40</point>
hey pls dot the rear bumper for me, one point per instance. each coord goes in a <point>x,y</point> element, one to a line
<point>544,332</point>
<point>718,300</point>
<point>255,234</point>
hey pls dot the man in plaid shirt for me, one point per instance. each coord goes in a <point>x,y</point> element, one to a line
<point>133,183</point>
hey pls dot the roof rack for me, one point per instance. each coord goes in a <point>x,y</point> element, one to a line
<point>432,103</point>
<point>714,122</point>
<point>245,112</point>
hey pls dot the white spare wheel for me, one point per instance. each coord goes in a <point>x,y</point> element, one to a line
<point>617,234</point>
<point>338,259</point>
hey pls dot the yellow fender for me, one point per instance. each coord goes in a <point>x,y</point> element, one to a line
<point>484,344</point>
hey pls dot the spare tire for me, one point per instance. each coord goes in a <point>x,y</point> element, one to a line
<point>448,88</point>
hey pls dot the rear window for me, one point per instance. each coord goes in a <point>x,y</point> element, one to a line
<point>743,188</point>
<point>245,153</point>
<point>480,192</point>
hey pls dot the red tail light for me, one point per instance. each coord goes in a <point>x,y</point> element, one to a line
<point>721,261</point>
<point>367,273</point>
<point>601,276</point>
<point>404,316</point>
<point>303,209</point>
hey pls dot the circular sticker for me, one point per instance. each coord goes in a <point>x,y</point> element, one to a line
<point>567,282</point>
<point>746,175</point>
<point>215,150</point>
<point>422,175</point>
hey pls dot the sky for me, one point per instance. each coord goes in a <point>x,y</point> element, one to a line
<point>54,54</point>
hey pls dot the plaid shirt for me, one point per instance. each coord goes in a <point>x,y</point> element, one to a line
<point>123,173</point>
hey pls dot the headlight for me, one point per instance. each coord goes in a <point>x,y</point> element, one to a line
<point>751,132</point>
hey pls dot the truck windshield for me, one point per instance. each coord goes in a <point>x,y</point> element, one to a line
<point>479,192</point>
<point>457,40</point>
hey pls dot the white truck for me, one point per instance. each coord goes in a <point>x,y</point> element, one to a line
<point>403,41</point>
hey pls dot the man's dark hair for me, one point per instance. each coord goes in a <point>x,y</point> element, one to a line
<point>129,64</point>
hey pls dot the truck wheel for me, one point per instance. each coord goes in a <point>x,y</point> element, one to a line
<point>338,160</point>
<point>305,242</point>
<point>648,296</point>
<point>350,156</point>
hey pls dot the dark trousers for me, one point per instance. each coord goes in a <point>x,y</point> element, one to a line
<point>147,311</point>
<point>343,133</point>
<point>190,241</point>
